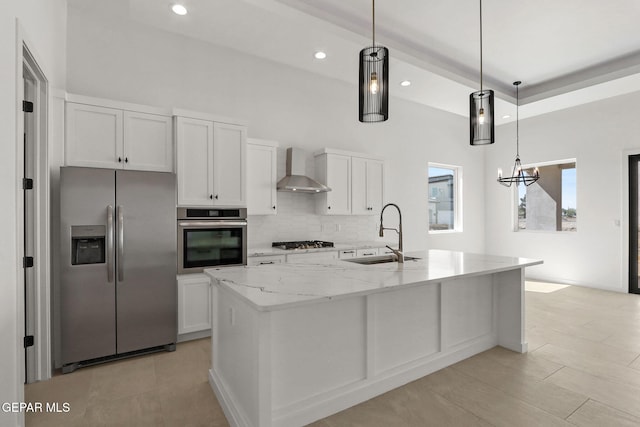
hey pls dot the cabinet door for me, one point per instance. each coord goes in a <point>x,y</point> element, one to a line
<point>229,164</point>
<point>359,202</point>
<point>194,303</point>
<point>261,180</point>
<point>194,166</point>
<point>375,186</point>
<point>93,136</point>
<point>339,180</point>
<point>148,142</point>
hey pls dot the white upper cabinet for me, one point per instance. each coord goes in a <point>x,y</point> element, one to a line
<point>262,177</point>
<point>334,171</point>
<point>106,136</point>
<point>148,142</point>
<point>356,182</point>
<point>94,136</point>
<point>194,166</point>
<point>367,178</point>
<point>211,163</point>
<point>229,164</point>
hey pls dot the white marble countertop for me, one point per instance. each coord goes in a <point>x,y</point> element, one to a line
<point>278,286</point>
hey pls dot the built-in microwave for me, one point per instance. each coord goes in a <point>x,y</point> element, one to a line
<point>211,238</point>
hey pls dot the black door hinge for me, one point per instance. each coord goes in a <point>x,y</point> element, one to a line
<point>27,106</point>
<point>28,341</point>
<point>27,183</point>
<point>27,262</point>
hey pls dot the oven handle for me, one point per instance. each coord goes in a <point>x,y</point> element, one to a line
<point>220,224</point>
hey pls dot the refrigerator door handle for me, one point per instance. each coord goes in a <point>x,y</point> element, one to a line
<point>110,243</point>
<point>120,259</point>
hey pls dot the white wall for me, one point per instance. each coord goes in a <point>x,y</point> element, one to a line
<point>597,135</point>
<point>42,25</point>
<point>111,58</point>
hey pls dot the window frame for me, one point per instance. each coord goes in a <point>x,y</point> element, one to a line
<point>457,198</point>
<point>515,198</point>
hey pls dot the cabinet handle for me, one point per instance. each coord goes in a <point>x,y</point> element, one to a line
<point>126,160</point>
<point>329,207</point>
<point>211,196</point>
<point>267,262</point>
<point>216,197</point>
<point>274,207</point>
<point>348,252</point>
<point>119,159</point>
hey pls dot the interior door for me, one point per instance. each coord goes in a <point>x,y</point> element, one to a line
<point>30,90</point>
<point>87,282</point>
<point>146,260</point>
<point>634,223</point>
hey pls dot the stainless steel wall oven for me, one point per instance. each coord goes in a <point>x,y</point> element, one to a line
<point>211,238</point>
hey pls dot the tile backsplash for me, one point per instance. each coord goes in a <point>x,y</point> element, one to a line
<point>297,220</point>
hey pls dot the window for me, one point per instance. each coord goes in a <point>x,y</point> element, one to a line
<point>549,204</point>
<point>444,198</point>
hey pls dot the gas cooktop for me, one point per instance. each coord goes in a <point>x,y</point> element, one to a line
<point>302,244</point>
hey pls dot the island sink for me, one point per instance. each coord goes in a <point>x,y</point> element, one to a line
<point>379,259</point>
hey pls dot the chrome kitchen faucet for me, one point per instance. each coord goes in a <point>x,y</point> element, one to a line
<point>398,230</point>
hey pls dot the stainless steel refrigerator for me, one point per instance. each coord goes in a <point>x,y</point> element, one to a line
<point>118,264</point>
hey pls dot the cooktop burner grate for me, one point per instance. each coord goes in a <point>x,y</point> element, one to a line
<point>302,244</point>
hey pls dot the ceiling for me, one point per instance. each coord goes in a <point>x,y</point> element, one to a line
<point>565,52</point>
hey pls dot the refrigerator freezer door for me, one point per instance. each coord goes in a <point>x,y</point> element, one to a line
<point>87,297</point>
<point>145,260</point>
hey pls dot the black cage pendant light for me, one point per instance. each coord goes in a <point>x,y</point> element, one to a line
<point>481,108</point>
<point>518,176</point>
<point>374,80</point>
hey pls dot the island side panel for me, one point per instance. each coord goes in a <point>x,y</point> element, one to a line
<point>468,313</point>
<point>240,365</point>
<point>510,310</point>
<point>405,325</point>
<point>316,350</point>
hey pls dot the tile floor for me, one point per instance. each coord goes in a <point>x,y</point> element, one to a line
<point>582,368</point>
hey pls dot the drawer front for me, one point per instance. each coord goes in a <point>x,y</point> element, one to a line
<point>265,260</point>
<point>348,253</point>
<point>366,252</point>
<point>312,256</point>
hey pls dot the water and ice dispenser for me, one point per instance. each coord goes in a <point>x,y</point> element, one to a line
<point>88,244</point>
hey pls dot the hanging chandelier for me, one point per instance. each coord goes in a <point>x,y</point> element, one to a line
<point>518,175</point>
<point>374,80</point>
<point>481,108</point>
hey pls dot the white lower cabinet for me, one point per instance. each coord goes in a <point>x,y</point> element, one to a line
<point>194,303</point>
<point>312,256</point>
<point>265,260</point>
<point>366,252</point>
<point>347,253</point>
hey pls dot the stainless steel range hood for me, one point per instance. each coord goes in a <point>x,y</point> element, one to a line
<point>296,179</point>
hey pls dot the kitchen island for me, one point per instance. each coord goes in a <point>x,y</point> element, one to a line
<point>293,343</point>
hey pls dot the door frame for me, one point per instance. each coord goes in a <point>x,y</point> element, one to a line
<point>26,56</point>
<point>625,223</point>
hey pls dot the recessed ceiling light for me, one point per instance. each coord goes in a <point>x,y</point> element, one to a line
<point>179,9</point>
<point>320,55</point>
<point>506,116</point>
<point>405,83</point>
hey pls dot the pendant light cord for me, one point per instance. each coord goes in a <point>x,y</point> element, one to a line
<point>480,46</point>
<point>373,20</point>
<point>517,121</point>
